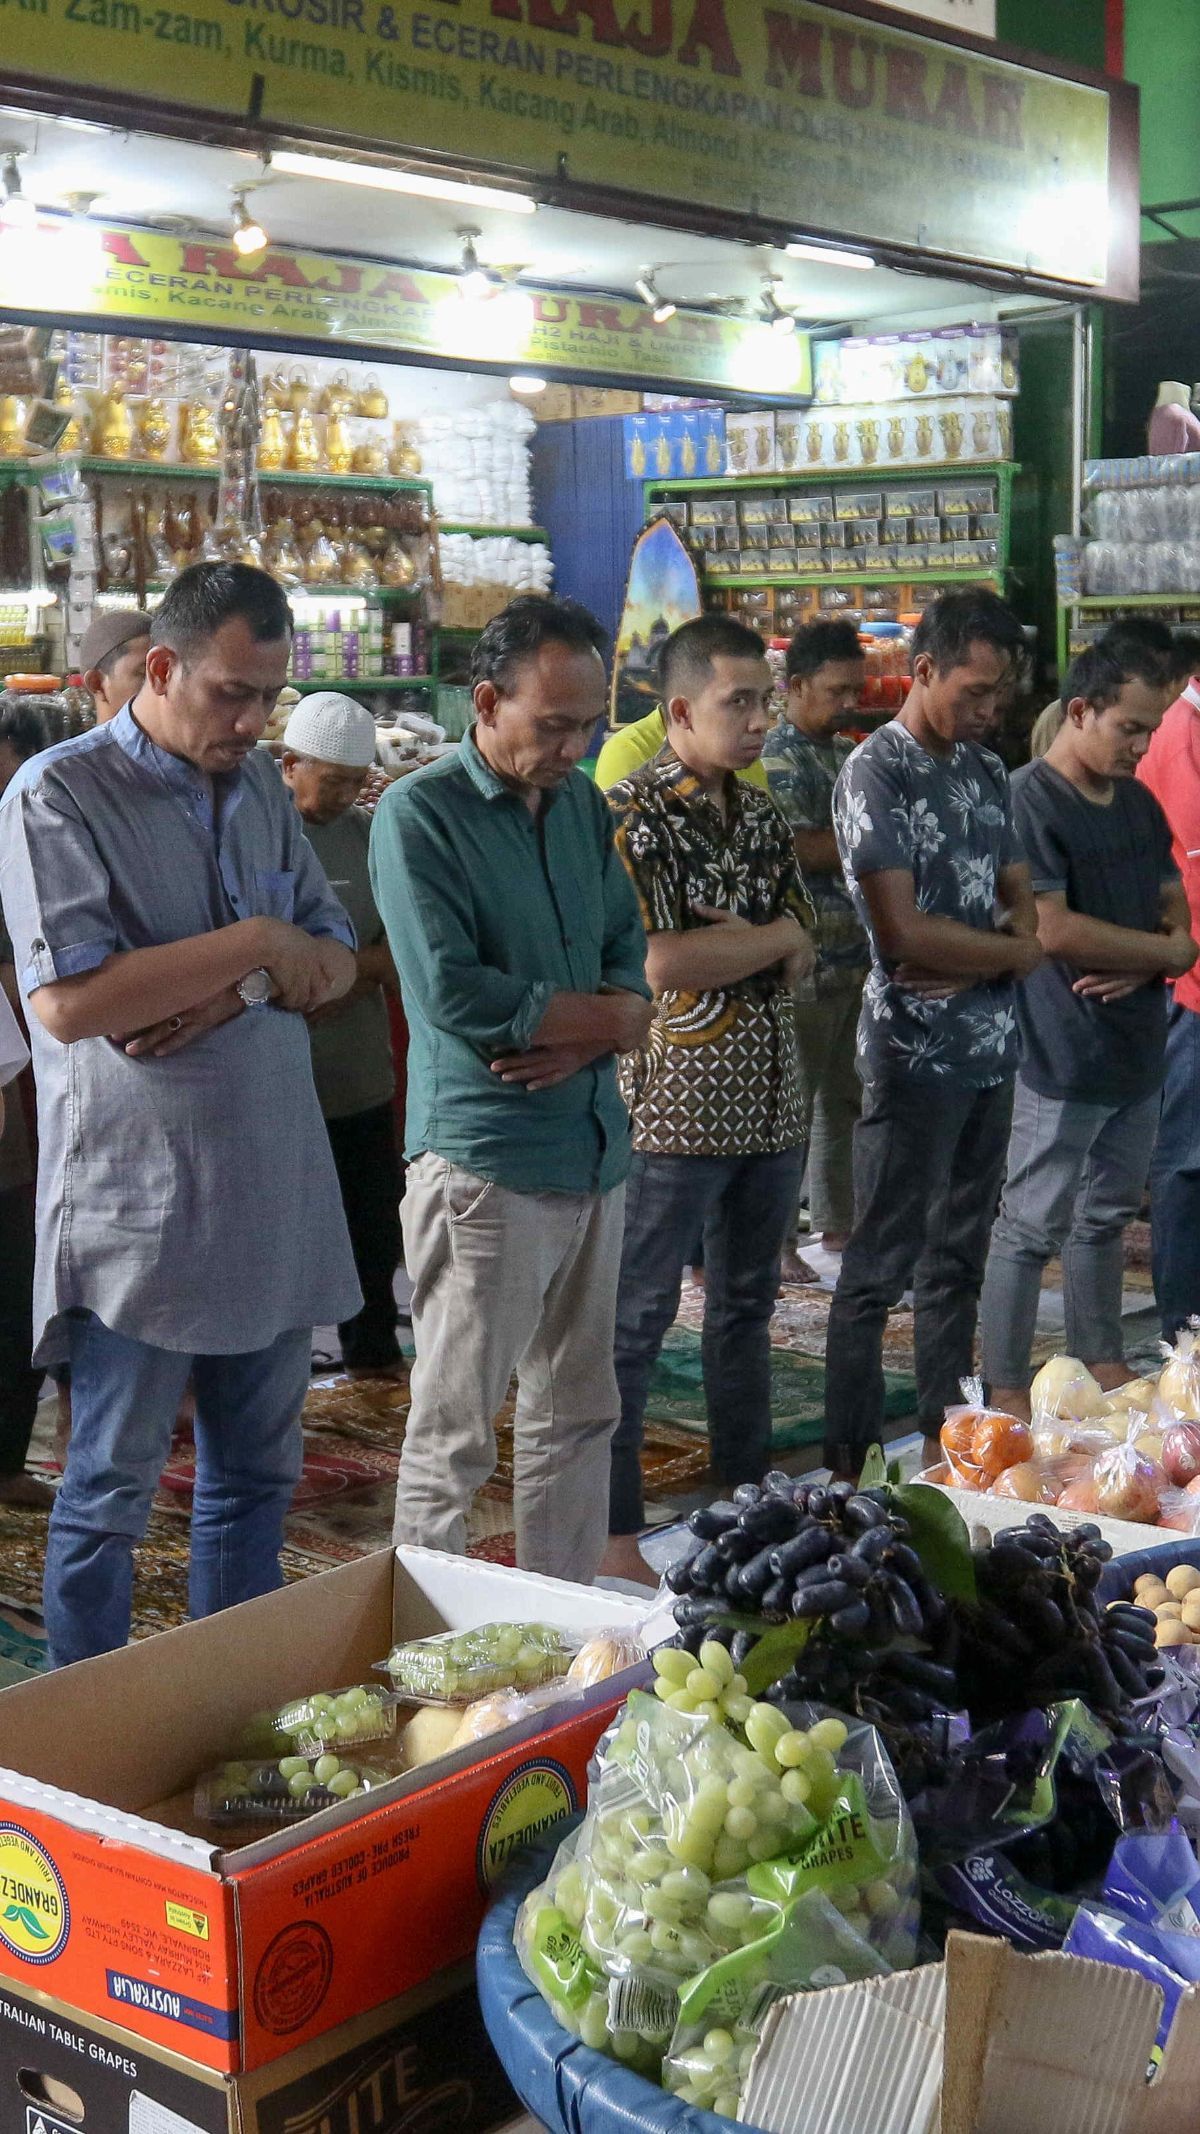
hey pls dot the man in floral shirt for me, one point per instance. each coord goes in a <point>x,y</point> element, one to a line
<point>825,669</point>
<point>925,831</point>
<point>714,1098</point>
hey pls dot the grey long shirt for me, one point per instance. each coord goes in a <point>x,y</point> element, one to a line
<point>189,1202</point>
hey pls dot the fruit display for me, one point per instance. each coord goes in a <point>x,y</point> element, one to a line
<point>722,1837</point>
<point>328,1719</point>
<point>1170,1605</point>
<point>281,1792</point>
<point>457,1666</point>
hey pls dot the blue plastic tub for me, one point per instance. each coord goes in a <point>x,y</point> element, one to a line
<point>566,2085</point>
<point>1116,1582</point>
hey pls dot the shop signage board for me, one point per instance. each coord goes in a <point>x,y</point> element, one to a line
<point>791,112</point>
<point>149,281</point>
<point>978,16</point>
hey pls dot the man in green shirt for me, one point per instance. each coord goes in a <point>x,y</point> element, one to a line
<point>521,955</point>
<point>328,748</point>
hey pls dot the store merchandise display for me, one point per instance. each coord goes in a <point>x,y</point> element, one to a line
<point>901,527</point>
<point>478,460</point>
<point>1006,1735</point>
<point>1140,543</point>
<point>1131,1455</point>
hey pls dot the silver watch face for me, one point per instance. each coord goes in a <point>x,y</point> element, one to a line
<point>256,989</point>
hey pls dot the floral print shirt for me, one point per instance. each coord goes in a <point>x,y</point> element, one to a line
<point>719,1075</point>
<point>948,821</point>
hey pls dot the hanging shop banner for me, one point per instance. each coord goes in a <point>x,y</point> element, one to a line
<point>978,16</point>
<point>796,112</point>
<point>146,279</point>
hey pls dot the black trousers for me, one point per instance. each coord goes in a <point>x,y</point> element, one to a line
<point>368,1168</point>
<point>19,1382</point>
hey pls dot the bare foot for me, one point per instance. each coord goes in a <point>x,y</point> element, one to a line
<point>623,1559</point>
<point>25,1493</point>
<point>794,1268</point>
<point>1011,1400</point>
<point>1109,1376</point>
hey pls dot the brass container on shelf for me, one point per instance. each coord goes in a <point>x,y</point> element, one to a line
<point>371,457</point>
<point>304,446</point>
<point>272,441</point>
<point>281,556</point>
<point>358,569</point>
<point>398,567</point>
<point>404,460</point>
<point>153,432</point>
<point>112,427</point>
<point>339,396</point>
<point>339,449</point>
<point>12,427</point>
<point>200,441</point>
<point>298,392</point>
<point>372,401</point>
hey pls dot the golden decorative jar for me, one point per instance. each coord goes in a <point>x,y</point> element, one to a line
<point>304,445</point>
<point>272,440</point>
<point>371,458</point>
<point>153,429</point>
<point>12,427</point>
<point>112,427</point>
<point>200,442</point>
<point>339,450</point>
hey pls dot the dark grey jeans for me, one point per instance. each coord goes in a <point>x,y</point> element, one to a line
<point>928,1163</point>
<point>745,1206</point>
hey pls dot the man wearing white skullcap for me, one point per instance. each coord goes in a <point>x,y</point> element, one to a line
<point>328,747</point>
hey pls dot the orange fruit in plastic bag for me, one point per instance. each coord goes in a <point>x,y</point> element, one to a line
<point>1029,1482</point>
<point>1128,1491</point>
<point>958,1432</point>
<point>1000,1441</point>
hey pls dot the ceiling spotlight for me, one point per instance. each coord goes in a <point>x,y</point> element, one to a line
<point>17,210</point>
<point>526,381</point>
<point>828,255</point>
<point>660,308</point>
<point>249,236</point>
<point>378,179</point>
<point>475,282</point>
<point>772,311</point>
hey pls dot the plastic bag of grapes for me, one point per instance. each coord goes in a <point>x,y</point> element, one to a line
<point>457,1666</point>
<point>722,2012</point>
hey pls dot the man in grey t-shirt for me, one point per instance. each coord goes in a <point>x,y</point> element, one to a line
<point>924,829</point>
<point>1113,920</point>
<point>329,745</point>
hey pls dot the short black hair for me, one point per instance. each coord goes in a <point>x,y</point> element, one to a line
<point>23,726</point>
<point>207,595</point>
<point>1185,655</point>
<point>816,644</point>
<point>689,651</point>
<point>1099,673</point>
<point>520,630</point>
<point>953,623</point>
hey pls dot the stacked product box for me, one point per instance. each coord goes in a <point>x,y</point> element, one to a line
<point>336,638</point>
<point>934,526</point>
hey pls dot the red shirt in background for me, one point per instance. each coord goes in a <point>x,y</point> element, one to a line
<point>1171,769</point>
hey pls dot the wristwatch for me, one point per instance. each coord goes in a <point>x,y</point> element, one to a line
<point>256,989</point>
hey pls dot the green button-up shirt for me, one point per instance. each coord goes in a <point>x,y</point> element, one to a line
<point>490,912</point>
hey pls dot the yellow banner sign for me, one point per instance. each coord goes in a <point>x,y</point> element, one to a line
<point>147,280</point>
<point>792,112</point>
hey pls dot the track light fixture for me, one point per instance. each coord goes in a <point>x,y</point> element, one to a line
<point>660,307</point>
<point>17,210</point>
<point>249,236</point>
<point>475,282</point>
<point>772,311</point>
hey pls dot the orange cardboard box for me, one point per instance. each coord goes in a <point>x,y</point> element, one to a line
<point>234,1958</point>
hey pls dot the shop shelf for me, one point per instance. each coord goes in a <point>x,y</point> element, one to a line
<point>812,477</point>
<point>380,484</point>
<point>141,470</point>
<point>148,470</point>
<point>480,533</point>
<point>1134,600</point>
<point>364,681</point>
<point>354,592</point>
<point>986,574</point>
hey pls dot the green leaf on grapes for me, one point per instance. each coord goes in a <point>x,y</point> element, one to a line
<point>874,1468</point>
<point>940,1536</point>
<point>774,1655</point>
<point>895,1472</point>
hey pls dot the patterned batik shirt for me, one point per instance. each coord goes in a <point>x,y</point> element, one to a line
<point>719,1074</point>
<point>802,773</point>
<point>946,820</point>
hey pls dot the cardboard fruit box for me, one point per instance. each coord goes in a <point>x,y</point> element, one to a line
<point>111,1900</point>
<point>988,2042</point>
<point>422,2062</point>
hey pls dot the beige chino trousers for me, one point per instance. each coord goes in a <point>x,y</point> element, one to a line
<point>505,1282</point>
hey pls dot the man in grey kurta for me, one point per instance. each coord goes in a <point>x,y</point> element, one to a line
<point>171,928</point>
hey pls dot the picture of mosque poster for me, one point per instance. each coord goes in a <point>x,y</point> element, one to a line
<point>661,591</point>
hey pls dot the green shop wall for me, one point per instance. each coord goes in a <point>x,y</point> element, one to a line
<point>1162,55</point>
<point>1070,30</point>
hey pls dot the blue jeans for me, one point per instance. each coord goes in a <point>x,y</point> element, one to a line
<point>124,1399</point>
<point>1175,1178</point>
<point>745,1206</point>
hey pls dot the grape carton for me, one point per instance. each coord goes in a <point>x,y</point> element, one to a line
<point>131,1910</point>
